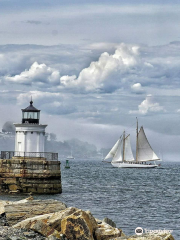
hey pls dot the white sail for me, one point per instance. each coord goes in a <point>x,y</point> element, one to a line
<point>118,155</point>
<point>128,155</point>
<point>113,150</point>
<point>145,152</point>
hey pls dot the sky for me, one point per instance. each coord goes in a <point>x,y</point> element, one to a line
<point>92,67</point>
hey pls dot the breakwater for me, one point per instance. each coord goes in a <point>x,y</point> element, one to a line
<point>25,175</point>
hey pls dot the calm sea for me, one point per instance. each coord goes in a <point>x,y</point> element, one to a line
<point>147,198</point>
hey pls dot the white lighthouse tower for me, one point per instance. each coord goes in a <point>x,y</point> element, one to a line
<point>30,135</point>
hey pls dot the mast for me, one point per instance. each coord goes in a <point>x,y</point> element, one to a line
<point>137,141</point>
<point>123,146</point>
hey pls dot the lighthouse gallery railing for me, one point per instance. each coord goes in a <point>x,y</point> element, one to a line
<point>49,156</point>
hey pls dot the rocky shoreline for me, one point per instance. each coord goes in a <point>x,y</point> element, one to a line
<point>53,220</point>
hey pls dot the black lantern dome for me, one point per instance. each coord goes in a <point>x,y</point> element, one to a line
<point>30,114</point>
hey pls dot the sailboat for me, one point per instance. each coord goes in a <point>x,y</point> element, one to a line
<point>122,156</point>
<point>70,156</point>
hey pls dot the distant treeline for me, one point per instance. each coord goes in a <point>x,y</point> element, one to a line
<point>77,148</point>
<point>74,146</point>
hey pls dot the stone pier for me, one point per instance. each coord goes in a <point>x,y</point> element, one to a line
<point>25,175</point>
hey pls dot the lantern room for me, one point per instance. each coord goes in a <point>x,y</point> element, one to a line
<point>30,114</point>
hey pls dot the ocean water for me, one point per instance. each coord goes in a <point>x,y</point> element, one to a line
<point>147,198</point>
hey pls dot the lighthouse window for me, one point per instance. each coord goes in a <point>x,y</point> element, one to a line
<point>30,115</point>
<point>25,114</point>
<point>35,115</point>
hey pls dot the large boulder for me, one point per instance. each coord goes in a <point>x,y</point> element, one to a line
<point>42,227</point>
<point>105,232</point>
<point>17,212</point>
<point>79,225</point>
<point>26,224</point>
<point>55,220</point>
<point>39,225</point>
<point>4,203</point>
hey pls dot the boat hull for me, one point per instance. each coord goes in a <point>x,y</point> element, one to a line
<point>133,165</point>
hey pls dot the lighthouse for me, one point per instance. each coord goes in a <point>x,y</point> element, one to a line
<point>30,134</point>
<point>29,169</point>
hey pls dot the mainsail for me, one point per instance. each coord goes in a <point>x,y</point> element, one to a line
<point>128,155</point>
<point>145,152</point>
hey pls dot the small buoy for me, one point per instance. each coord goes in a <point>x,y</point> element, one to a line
<point>67,164</point>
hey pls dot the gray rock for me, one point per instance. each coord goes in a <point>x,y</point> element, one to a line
<point>9,233</point>
<point>29,234</point>
<point>52,238</point>
<point>110,222</point>
<point>14,238</point>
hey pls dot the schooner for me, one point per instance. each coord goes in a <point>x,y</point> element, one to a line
<point>122,156</point>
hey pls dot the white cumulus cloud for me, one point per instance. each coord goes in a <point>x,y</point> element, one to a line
<point>148,105</point>
<point>137,88</point>
<point>105,72</point>
<point>39,73</point>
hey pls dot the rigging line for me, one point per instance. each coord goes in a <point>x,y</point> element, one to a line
<point>131,126</point>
